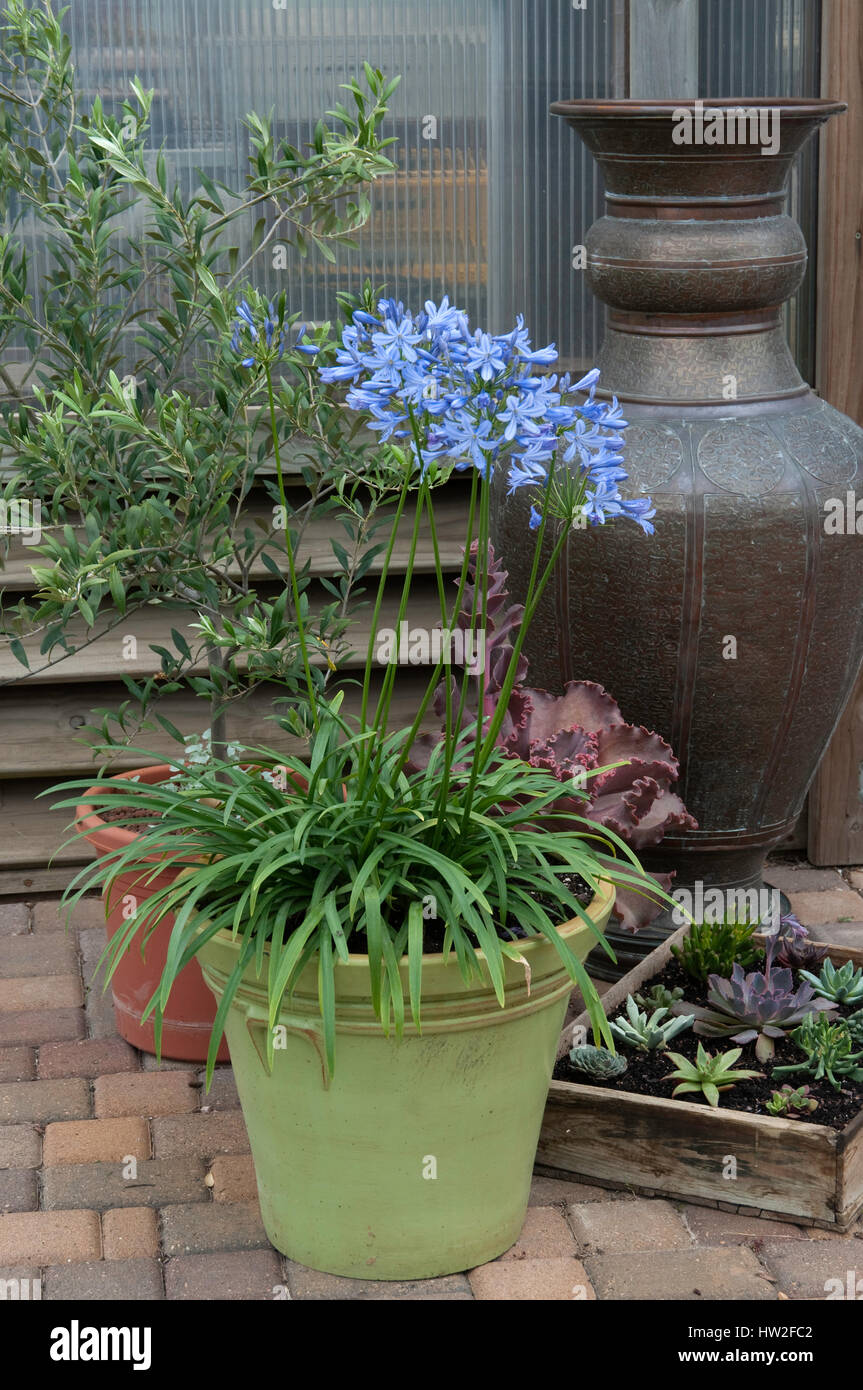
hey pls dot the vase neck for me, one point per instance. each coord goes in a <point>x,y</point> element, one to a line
<point>695,254</point>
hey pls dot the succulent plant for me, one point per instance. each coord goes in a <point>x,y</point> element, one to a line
<point>758,1007</point>
<point>829,1052</point>
<point>713,948</point>
<point>658,997</point>
<point>793,949</point>
<point>843,986</point>
<point>598,1062</point>
<point>791,1102</point>
<point>854,1024</point>
<point>571,736</point>
<point>708,1074</point>
<point>650,1034</point>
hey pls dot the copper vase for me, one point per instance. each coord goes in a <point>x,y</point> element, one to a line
<point>736,631</point>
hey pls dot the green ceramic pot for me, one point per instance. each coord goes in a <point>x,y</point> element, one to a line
<point>415,1159</point>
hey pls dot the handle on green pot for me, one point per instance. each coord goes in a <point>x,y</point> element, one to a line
<point>257,1022</point>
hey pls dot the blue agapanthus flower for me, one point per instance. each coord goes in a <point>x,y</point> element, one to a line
<point>475,399</point>
<point>268,338</point>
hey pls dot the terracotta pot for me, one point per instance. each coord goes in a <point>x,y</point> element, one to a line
<point>191,1008</point>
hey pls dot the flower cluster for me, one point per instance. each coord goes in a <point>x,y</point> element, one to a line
<point>265,340</point>
<point>475,399</point>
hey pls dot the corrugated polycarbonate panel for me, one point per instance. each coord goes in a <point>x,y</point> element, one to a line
<point>764,48</point>
<point>492,193</point>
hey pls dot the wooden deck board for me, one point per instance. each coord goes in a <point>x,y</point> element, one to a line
<point>315,549</point>
<point>103,659</point>
<point>40,726</point>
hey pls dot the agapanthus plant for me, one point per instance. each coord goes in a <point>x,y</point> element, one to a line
<point>447,398</point>
<point>345,857</point>
<point>617,774</point>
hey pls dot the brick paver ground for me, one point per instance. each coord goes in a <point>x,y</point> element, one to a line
<point>120,1179</point>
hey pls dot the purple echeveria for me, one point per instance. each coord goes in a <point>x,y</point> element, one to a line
<point>758,1007</point>
<point>793,949</point>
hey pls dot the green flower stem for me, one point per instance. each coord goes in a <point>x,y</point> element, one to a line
<point>381,712</point>
<point>438,670</point>
<point>535,592</point>
<point>367,674</point>
<point>465,683</point>
<point>289,550</point>
<point>509,681</point>
<point>445,626</point>
<point>484,746</point>
<point>374,747</point>
<point>480,599</point>
<point>432,523</point>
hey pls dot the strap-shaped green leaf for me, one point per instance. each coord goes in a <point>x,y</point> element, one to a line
<point>415,959</point>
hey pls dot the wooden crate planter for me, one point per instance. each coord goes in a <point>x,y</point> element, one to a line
<point>786,1171</point>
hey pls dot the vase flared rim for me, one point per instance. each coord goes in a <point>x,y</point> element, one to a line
<point>621,107</point>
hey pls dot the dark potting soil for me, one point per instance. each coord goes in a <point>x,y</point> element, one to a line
<point>434,931</point>
<point>124,813</point>
<point>126,817</point>
<point>647,1071</point>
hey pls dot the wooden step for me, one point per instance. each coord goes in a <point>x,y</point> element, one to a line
<point>34,854</point>
<point>103,658</point>
<point>34,857</point>
<point>26,838</point>
<point>314,550</point>
<point>41,726</point>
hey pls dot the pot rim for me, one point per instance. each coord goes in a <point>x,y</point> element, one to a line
<point>603,899</point>
<point>90,824</point>
<point>626,107</point>
<point>88,820</point>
